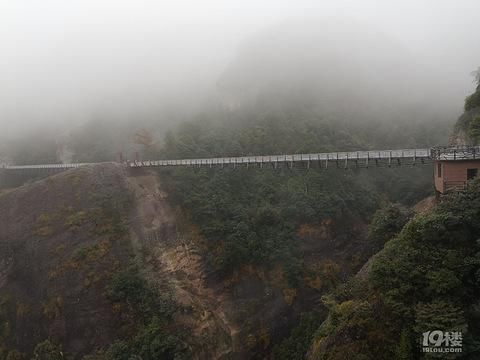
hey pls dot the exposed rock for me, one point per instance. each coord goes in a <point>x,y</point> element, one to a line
<point>172,257</point>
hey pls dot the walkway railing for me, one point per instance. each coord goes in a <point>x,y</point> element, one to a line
<point>43,166</point>
<point>338,159</point>
<point>359,158</point>
<point>463,152</point>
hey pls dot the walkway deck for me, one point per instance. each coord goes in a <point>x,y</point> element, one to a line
<point>339,159</point>
<point>358,158</point>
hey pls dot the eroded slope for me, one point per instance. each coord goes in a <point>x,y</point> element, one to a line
<point>61,239</point>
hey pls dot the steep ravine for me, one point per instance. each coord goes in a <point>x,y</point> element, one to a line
<point>172,256</point>
<point>240,315</point>
<point>63,239</point>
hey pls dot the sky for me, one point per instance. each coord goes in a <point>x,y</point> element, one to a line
<point>61,60</point>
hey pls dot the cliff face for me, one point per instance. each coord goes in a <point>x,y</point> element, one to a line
<point>170,254</point>
<point>462,134</point>
<point>63,242</point>
<point>466,128</point>
<point>383,312</point>
<point>242,314</point>
<point>60,241</point>
<point>63,239</point>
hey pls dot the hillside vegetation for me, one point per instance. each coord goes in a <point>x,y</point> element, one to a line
<point>70,285</point>
<point>306,226</point>
<point>426,277</point>
<point>467,128</point>
<point>250,216</point>
<point>260,261</point>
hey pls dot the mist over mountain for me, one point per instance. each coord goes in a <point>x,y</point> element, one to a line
<point>105,255</point>
<point>339,65</point>
<point>333,70</point>
<point>98,62</point>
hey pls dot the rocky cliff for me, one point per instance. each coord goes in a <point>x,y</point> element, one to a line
<point>68,243</point>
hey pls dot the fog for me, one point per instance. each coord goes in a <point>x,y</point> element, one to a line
<point>66,62</point>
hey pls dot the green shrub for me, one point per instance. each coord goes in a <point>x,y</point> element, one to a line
<point>129,287</point>
<point>385,224</point>
<point>473,101</point>
<point>46,350</point>
<point>154,337</point>
<point>426,278</point>
<point>474,130</point>
<point>15,355</point>
<point>156,341</point>
<point>295,347</point>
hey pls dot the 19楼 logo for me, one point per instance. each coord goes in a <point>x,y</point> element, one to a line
<point>438,341</point>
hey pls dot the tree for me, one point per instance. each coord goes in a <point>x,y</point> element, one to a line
<point>476,76</point>
<point>474,129</point>
<point>15,355</point>
<point>473,100</point>
<point>404,348</point>
<point>386,223</point>
<point>46,350</point>
<point>144,137</point>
